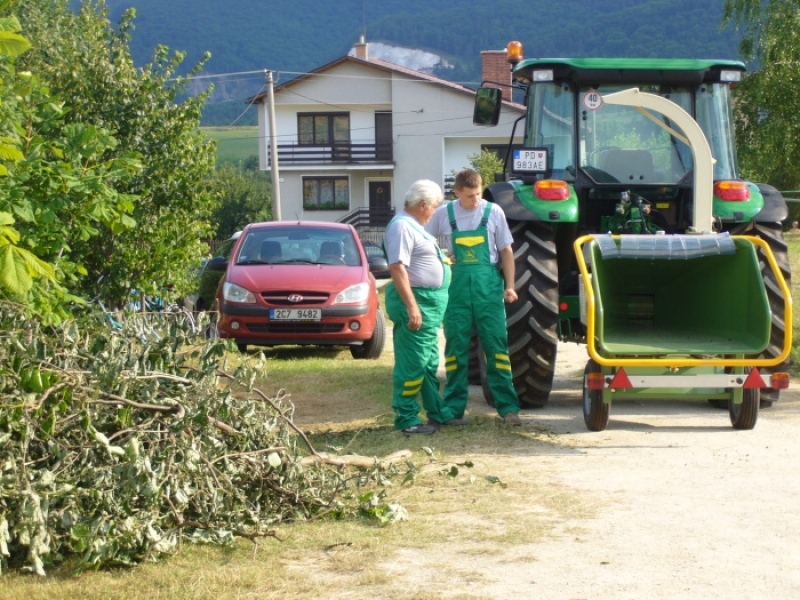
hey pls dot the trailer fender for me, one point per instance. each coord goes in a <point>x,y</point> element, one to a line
<point>504,194</point>
<point>775,209</point>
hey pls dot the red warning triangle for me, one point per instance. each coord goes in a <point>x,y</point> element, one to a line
<point>754,380</point>
<point>620,380</point>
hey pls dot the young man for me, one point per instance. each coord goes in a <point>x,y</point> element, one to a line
<point>416,300</point>
<point>478,238</point>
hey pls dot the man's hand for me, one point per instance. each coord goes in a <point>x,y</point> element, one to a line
<point>414,318</point>
<point>509,295</point>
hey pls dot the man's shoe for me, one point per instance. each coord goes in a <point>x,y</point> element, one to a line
<point>511,418</point>
<point>449,423</point>
<point>420,429</point>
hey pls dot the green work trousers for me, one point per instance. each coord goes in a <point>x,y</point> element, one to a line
<point>416,356</point>
<point>476,296</point>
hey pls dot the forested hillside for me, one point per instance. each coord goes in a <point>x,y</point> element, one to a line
<point>248,36</point>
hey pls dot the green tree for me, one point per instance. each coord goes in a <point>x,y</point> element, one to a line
<point>488,164</point>
<point>243,196</point>
<point>54,185</point>
<point>88,64</point>
<point>767,106</point>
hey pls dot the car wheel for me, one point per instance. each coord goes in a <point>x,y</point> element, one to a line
<point>373,347</point>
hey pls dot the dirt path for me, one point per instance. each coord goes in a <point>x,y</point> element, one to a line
<point>669,502</point>
<point>683,506</point>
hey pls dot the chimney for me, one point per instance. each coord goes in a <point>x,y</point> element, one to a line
<point>361,49</point>
<point>496,71</point>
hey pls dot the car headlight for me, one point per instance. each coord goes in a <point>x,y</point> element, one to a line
<point>236,293</point>
<point>355,293</point>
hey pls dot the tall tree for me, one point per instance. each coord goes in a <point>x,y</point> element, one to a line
<point>54,185</point>
<point>767,105</point>
<point>87,62</point>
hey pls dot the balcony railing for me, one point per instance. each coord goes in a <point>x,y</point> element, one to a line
<point>338,153</point>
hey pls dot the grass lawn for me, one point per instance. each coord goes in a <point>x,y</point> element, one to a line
<point>234,144</point>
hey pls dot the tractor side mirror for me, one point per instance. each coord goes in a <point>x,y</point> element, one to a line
<point>487,106</point>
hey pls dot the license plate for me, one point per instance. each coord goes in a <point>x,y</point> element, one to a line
<point>529,160</point>
<point>295,314</point>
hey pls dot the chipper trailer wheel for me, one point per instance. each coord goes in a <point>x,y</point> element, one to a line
<point>595,411</point>
<point>745,415</point>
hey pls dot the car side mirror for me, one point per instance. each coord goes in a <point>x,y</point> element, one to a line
<point>378,263</point>
<point>218,263</point>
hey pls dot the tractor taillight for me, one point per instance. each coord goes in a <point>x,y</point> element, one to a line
<point>732,191</point>
<point>551,189</point>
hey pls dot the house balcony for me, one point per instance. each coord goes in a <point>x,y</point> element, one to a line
<point>340,153</point>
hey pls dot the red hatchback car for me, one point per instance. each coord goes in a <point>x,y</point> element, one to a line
<point>300,283</point>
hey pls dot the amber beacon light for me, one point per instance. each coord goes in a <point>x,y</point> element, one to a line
<point>514,52</point>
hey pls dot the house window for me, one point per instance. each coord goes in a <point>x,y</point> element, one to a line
<point>323,129</point>
<point>326,193</point>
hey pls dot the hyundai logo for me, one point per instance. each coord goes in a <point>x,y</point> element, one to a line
<point>295,298</point>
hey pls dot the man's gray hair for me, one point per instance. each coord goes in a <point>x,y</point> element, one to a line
<point>423,190</point>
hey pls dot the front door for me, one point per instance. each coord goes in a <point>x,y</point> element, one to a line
<point>380,203</point>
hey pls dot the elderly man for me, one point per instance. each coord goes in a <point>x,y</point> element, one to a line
<point>416,300</point>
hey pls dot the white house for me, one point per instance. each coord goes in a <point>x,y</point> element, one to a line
<point>354,134</point>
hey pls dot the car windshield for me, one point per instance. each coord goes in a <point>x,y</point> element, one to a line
<point>619,144</point>
<point>298,245</point>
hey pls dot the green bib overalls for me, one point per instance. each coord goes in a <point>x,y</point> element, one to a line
<point>476,296</point>
<point>416,353</point>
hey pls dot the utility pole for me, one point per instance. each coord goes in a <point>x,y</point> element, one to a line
<point>273,148</point>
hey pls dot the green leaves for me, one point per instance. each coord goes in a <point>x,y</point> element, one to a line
<point>112,182</point>
<point>113,449</point>
<point>766,107</point>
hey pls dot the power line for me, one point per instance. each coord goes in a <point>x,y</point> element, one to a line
<point>325,75</point>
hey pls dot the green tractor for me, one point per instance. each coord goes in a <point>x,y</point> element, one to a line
<point>624,200</point>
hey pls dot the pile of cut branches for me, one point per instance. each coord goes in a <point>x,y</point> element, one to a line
<point>114,449</point>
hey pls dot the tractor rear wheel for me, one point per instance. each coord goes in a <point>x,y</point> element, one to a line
<point>595,411</point>
<point>474,365</point>
<point>484,383</point>
<point>532,320</point>
<point>745,415</point>
<point>772,234</point>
